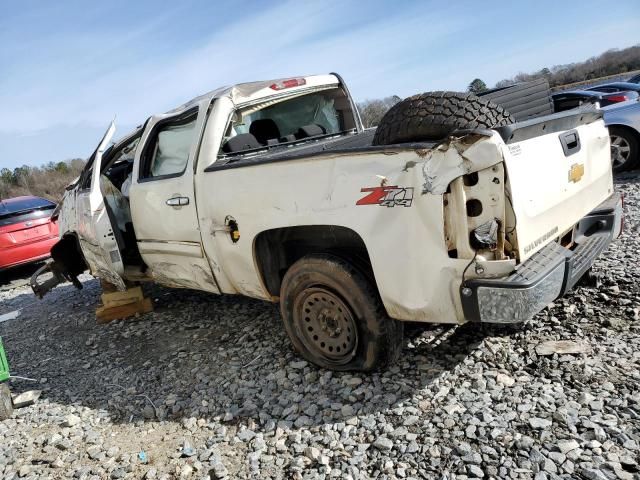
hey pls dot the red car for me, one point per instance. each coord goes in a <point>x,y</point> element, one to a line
<point>27,232</point>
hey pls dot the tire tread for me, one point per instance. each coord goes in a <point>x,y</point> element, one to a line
<point>435,115</point>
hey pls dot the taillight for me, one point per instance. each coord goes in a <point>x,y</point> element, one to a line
<point>291,82</point>
<point>617,98</point>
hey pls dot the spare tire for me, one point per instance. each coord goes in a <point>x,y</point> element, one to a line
<point>435,115</point>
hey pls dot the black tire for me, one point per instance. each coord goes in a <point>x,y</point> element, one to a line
<point>435,115</point>
<point>6,404</point>
<point>335,318</point>
<point>624,149</point>
<point>589,279</point>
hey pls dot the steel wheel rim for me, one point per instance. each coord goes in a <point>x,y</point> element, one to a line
<point>327,325</point>
<point>620,150</point>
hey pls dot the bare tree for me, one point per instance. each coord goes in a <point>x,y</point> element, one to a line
<point>611,62</point>
<point>372,111</point>
<point>47,181</point>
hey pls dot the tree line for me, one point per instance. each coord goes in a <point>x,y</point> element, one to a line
<point>47,181</point>
<point>612,62</point>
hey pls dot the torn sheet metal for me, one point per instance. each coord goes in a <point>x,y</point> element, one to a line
<point>486,235</point>
<point>450,160</point>
<point>184,275</point>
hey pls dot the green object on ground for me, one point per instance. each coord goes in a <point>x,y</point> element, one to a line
<point>6,403</point>
<point>4,365</point>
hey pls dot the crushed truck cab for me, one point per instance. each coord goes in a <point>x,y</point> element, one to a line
<point>275,191</point>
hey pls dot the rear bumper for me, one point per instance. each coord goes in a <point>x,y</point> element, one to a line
<point>23,254</point>
<point>547,275</point>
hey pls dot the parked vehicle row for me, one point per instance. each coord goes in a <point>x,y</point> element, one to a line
<point>616,87</point>
<point>634,79</point>
<point>27,232</point>
<point>576,98</point>
<point>620,105</point>
<point>623,121</point>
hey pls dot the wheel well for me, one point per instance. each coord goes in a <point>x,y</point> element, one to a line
<point>276,250</point>
<point>67,253</point>
<point>626,128</point>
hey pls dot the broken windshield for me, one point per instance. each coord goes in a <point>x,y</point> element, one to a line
<point>300,118</point>
<point>289,116</point>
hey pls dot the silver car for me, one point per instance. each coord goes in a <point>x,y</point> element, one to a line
<point>623,120</point>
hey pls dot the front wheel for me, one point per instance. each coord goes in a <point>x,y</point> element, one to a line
<point>624,149</point>
<point>335,318</point>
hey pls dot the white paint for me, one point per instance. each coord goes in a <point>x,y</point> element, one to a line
<point>543,198</point>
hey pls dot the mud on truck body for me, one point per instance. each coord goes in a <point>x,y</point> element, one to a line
<point>448,212</point>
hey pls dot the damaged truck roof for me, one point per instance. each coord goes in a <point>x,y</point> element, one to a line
<point>250,91</point>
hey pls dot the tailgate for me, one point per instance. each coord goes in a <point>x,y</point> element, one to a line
<point>558,170</point>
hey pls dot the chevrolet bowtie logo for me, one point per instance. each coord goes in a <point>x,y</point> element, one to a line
<point>576,172</point>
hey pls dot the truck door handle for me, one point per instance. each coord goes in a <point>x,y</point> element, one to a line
<point>178,201</point>
<point>570,142</point>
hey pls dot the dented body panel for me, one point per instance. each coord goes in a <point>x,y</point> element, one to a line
<point>403,241</point>
<point>431,216</point>
<point>93,225</point>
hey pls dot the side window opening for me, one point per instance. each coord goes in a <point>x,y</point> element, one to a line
<point>85,179</point>
<point>295,119</point>
<point>167,151</point>
<point>119,167</point>
<point>87,172</point>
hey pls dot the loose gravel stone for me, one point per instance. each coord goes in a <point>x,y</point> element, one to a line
<point>383,443</point>
<point>539,423</point>
<point>566,446</point>
<point>71,421</point>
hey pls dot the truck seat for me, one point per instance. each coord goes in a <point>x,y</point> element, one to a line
<point>243,141</point>
<point>264,129</point>
<point>312,130</point>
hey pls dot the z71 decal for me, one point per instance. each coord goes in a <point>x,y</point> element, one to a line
<point>387,196</point>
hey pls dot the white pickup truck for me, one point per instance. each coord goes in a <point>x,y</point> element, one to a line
<point>447,213</point>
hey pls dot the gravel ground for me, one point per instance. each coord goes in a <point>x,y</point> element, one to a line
<point>208,387</point>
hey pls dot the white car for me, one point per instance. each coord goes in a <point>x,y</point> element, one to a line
<point>447,213</point>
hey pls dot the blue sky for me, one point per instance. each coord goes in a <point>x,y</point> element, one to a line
<point>68,67</point>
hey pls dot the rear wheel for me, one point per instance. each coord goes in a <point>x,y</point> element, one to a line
<point>6,404</point>
<point>624,149</point>
<point>334,316</point>
<point>435,115</point>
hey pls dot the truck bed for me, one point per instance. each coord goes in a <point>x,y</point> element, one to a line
<point>356,142</point>
<point>362,142</point>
